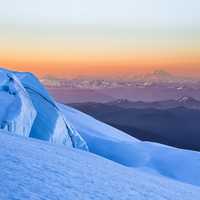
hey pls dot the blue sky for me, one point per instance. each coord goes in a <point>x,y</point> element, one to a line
<point>118,12</point>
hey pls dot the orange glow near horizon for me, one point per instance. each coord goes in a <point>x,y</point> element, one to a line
<point>101,57</point>
<point>100,65</point>
<point>95,38</point>
<point>97,70</point>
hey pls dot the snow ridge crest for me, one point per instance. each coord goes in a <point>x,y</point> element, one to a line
<point>28,110</point>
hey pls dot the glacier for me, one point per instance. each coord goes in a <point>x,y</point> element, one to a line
<point>35,169</point>
<point>32,112</point>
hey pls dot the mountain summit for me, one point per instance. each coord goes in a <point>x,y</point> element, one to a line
<point>159,76</point>
<point>161,73</point>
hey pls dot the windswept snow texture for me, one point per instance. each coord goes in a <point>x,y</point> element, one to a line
<point>50,124</point>
<point>17,112</point>
<point>33,169</point>
<point>178,164</point>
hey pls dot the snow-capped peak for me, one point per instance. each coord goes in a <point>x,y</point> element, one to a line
<point>185,99</point>
<point>161,73</point>
<point>121,101</point>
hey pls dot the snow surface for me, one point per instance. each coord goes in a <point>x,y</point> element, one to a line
<point>34,169</point>
<point>29,110</point>
<point>178,164</point>
<point>50,124</point>
<point>17,113</point>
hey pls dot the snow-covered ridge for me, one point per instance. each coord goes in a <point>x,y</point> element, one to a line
<point>29,110</point>
<point>108,142</point>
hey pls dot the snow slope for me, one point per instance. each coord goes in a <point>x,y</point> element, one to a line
<point>178,164</point>
<point>34,169</point>
<point>57,130</point>
<point>29,110</point>
<point>17,113</point>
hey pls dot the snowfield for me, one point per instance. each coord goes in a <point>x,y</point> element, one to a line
<point>33,169</point>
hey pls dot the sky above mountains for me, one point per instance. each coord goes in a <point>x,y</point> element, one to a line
<point>91,37</point>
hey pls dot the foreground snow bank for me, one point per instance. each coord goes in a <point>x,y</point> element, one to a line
<point>50,123</point>
<point>17,113</point>
<point>28,109</point>
<point>153,158</point>
<point>33,169</point>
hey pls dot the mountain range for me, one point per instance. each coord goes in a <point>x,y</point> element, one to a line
<point>156,86</point>
<point>157,76</point>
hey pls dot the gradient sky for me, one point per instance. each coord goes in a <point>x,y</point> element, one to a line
<point>100,37</point>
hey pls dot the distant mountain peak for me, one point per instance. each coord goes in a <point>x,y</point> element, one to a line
<point>121,101</point>
<point>186,99</point>
<point>161,73</point>
<point>159,76</point>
